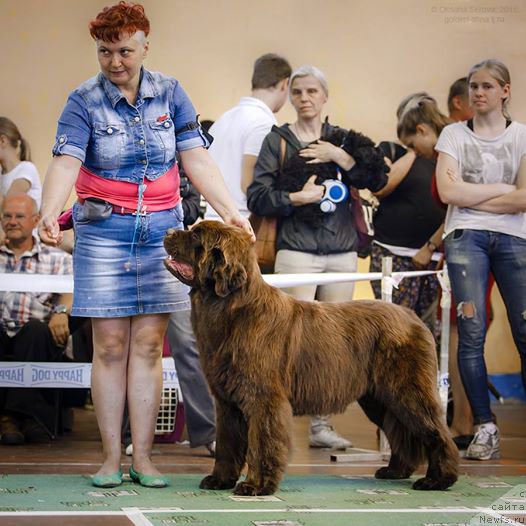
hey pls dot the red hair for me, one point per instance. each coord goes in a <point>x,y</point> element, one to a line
<point>114,21</point>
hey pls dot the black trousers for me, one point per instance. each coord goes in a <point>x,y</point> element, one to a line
<point>33,343</point>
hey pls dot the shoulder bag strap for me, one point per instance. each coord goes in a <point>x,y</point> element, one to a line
<point>392,147</point>
<point>282,150</point>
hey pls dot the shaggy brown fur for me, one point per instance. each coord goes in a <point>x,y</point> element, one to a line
<point>268,356</point>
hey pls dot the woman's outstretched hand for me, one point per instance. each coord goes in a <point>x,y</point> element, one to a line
<point>49,231</point>
<point>242,222</point>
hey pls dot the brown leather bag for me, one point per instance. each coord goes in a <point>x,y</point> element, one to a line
<point>266,230</point>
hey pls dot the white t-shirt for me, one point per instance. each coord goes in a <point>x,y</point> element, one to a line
<point>23,170</point>
<point>240,131</point>
<point>484,161</point>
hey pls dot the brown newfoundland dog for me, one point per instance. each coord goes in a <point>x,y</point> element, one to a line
<point>268,357</point>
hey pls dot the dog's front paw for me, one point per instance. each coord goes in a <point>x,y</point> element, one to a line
<point>429,484</point>
<point>269,489</point>
<point>248,489</point>
<point>215,483</point>
<point>392,474</point>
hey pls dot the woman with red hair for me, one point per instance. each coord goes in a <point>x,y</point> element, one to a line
<point>117,140</point>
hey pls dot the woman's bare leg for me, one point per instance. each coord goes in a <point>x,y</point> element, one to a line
<point>144,385</point>
<point>111,338</point>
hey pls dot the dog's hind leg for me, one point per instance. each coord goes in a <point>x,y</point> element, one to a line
<point>231,447</point>
<point>420,431</point>
<point>378,414</point>
<point>442,470</point>
<point>269,424</point>
<point>442,454</point>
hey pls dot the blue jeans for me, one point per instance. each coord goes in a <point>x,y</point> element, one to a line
<point>471,255</point>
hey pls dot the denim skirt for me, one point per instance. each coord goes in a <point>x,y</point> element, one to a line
<point>118,265</point>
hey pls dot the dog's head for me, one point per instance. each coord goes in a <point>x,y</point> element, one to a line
<point>212,257</point>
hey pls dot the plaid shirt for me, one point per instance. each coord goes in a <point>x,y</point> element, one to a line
<point>17,308</point>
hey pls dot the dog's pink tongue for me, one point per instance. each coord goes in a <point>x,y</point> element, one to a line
<point>184,269</point>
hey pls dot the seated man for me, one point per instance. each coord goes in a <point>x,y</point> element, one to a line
<point>34,327</point>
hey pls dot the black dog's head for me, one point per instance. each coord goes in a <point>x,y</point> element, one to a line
<point>371,168</point>
<point>212,257</point>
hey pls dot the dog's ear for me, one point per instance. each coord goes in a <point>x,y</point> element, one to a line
<point>229,274</point>
<point>220,266</point>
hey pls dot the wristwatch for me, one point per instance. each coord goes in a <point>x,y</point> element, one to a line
<point>60,309</point>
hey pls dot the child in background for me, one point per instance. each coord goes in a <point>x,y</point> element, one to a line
<point>19,174</point>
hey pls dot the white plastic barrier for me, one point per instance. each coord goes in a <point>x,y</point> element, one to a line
<point>11,282</point>
<point>58,374</point>
<point>20,374</point>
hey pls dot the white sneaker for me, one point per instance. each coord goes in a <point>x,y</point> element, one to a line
<point>485,444</point>
<point>211,446</point>
<point>325,436</point>
<point>129,450</point>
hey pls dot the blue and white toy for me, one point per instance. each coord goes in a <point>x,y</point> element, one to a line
<point>335,192</point>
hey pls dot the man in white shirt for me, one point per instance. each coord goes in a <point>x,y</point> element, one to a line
<point>239,133</point>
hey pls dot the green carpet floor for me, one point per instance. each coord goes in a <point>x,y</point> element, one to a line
<point>302,500</point>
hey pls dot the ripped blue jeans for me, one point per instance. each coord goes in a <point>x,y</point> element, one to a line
<point>470,256</point>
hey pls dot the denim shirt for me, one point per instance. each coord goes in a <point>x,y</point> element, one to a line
<point>124,142</point>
